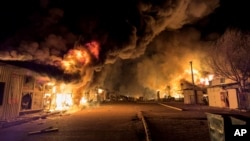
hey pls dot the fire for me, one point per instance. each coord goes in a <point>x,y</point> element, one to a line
<point>210,77</point>
<point>83,101</point>
<point>176,91</point>
<point>177,96</point>
<point>63,101</point>
<point>73,61</point>
<point>64,97</point>
<point>189,71</point>
<point>76,58</point>
<point>94,48</point>
<point>80,56</point>
<point>58,97</point>
<point>198,77</point>
<point>205,81</point>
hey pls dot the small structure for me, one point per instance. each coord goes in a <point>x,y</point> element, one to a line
<point>223,93</point>
<point>190,92</point>
<point>189,96</point>
<point>21,91</point>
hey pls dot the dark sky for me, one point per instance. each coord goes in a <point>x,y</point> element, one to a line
<point>44,31</point>
<point>94,18</point>
<point>86,17</point>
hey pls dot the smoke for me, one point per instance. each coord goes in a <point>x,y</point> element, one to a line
<point>167,59</point>
<point>166,63</point>
<point>119,77</point>
<point>156,17</point>
<point>45,52</point>
<point>89,40</point>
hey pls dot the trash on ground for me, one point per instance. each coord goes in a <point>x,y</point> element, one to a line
<point>46,130</point>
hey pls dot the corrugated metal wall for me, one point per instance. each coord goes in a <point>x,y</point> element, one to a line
<point>4,77</point>
<point>11,100</point>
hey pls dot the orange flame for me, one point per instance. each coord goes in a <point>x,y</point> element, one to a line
<point>79,55</point>
<point>94,48</point>
<point>76,58</point>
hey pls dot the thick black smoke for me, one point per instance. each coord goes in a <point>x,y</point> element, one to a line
<point>123,28</point>
<point>43,31</point>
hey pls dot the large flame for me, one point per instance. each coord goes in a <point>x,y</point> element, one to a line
<point>176,87</point>
<point>200,79</point>
<point>63,101</point>
<point>80,56</point>
<point>75,59</point>
<point>63,97</point>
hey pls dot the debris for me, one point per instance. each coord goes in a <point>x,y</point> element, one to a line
<point>46,130</point>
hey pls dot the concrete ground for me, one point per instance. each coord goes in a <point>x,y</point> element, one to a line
<point>176,122</point>
<point>174,105</point>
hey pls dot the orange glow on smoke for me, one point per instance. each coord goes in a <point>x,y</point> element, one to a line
<point>79,55</point>
<point>76,58</point>
<point>200,79</point>
<point>205,80</point>
<point>94,48</point>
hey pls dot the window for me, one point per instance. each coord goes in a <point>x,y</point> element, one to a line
<point>2,84</point>
<point>222,80</point>
<point>26,101</point>
<point>28,83</point>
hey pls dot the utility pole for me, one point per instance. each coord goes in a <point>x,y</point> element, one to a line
<point>195,94</point>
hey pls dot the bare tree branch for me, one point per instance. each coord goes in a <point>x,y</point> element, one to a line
<point>229,57</point>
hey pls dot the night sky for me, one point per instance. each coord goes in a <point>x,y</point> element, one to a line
<point>36,19</point>
<point>130,32</point>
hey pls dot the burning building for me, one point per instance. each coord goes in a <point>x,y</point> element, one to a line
<point>140,52</point>
<point>29,86</point>
<point>22,91</point>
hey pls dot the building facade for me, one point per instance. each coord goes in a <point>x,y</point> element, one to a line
<point>21,91</point>
<point>224,93</point>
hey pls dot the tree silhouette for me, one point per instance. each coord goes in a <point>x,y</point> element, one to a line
<point>230,58</point>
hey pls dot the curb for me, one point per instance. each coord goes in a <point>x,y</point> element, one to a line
<point>147,132</point>
<point>179,109</point>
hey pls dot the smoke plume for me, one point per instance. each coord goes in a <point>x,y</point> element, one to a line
<point>85,38</point>
<point>165,64</point>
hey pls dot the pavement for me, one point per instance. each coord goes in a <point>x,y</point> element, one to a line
<point>26,118</point>
<point>174,105</point>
